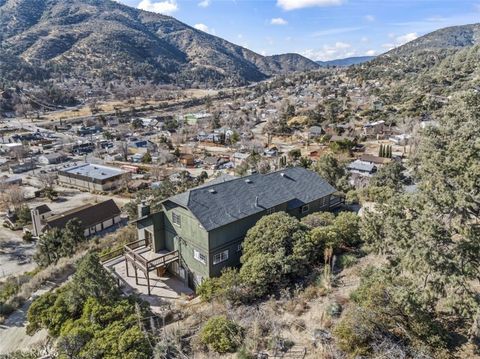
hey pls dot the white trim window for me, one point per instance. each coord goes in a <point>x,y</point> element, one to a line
<point>176,219</point>
<point>271,210</point>
<point>202,258</point>
<point>305,208</point>
<point>239,247</point>
<point>220,257</point>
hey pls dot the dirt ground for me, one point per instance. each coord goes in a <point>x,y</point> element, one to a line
<point>13,335</point>
<point>16,256</point>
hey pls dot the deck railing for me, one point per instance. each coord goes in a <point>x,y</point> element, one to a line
<point>162,261</point>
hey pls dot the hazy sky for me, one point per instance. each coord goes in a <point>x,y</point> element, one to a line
<point>318,29</point>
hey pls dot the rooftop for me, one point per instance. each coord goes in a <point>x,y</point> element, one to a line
<point>94,171</point>
<point>88,214</point>
<point>230,199</point>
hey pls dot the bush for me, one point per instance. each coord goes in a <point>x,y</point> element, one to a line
<point>334,309</point>
<point>347,260</point>
<point>6,309</point>
<point>28,237</point>
<point>221,335</point>
<point>226,287</point>
<point>319,219</point>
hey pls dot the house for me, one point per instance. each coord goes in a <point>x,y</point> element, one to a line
<point>42,211</point>
<point>239,157</point>
<point>187,160</point>
<point>206,225</point>
<point>315,132</point>
<point>10,181</point>
<point>92,177</point>
<point>375,160</point>
<point>400,140</point>
<point>22,167</point>
<point>51,158</point>
<point>374,128</point>
<point>362,167</point>
<point>94,218</point>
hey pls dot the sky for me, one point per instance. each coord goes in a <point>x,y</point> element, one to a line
<point>318,29</point>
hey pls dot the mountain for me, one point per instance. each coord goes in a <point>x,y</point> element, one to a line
<point>92,39</point>
<point>430,49</point>
<point>430,60</point>
<point>349,61</point>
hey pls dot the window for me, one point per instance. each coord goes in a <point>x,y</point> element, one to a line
<point>270,210</point>
<point>176,219</point>
<point>239,247</point>
<point>202,258</point>
<point>305,208</point>
<point>220,257</point>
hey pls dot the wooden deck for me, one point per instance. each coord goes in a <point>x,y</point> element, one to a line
<point>139,255</point>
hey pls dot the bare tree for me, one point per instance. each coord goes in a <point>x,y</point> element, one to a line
<point>13,196</point>
<point>47,180</point>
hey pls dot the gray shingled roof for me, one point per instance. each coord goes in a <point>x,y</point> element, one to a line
<point>218,204</point>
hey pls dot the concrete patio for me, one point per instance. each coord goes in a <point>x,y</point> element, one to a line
<point>163,289</point>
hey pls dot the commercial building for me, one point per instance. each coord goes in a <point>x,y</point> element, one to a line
<point>91,177</point>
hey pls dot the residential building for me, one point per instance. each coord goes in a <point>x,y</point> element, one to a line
<point>92,177</point>
<point>94,218</point>
<point>51,158</point>
<point>22,167</point>
<point>205,226</point>
<point>375,160</point>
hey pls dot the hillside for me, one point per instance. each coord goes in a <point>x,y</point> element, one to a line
<point>89,39</point>
<point>422,55</point>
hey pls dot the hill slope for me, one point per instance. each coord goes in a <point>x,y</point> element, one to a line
<point>104,39</point>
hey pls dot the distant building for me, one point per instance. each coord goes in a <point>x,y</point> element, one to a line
<point>315,131</point>
<point>376,160</point>
<point>22,167</point>
<point>400,140</point>
<point>52,158</point>
<point>92,177</point>
<point>94,218</point>
<point>374,128</point>
<point>362,167</point>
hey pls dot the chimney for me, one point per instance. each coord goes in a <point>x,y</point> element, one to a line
<point>256,201</point>
<point>143,209</point>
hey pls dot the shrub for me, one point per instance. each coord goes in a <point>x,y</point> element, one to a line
<point>226,287</point>
<point>334,309</point>
<point>221,335</point>
<point>28,237</point>
<point>347,260</point>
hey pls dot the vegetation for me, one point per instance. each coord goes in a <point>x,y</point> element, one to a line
<point>279,251</point>
<point>221,335</point>
<point>424,297</point>
<point>56,243</point>
<point>90,318</point>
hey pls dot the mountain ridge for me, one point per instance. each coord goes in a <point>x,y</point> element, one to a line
<point>347,61</point>
<point>105,39</point>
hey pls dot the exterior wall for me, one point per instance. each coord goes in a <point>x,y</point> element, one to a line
<point>89,185</point>
<point>154,224</point>
<point>186,238</point>
<point>321,204</point>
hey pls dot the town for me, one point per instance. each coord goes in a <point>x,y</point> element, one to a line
<point>165,193</point>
